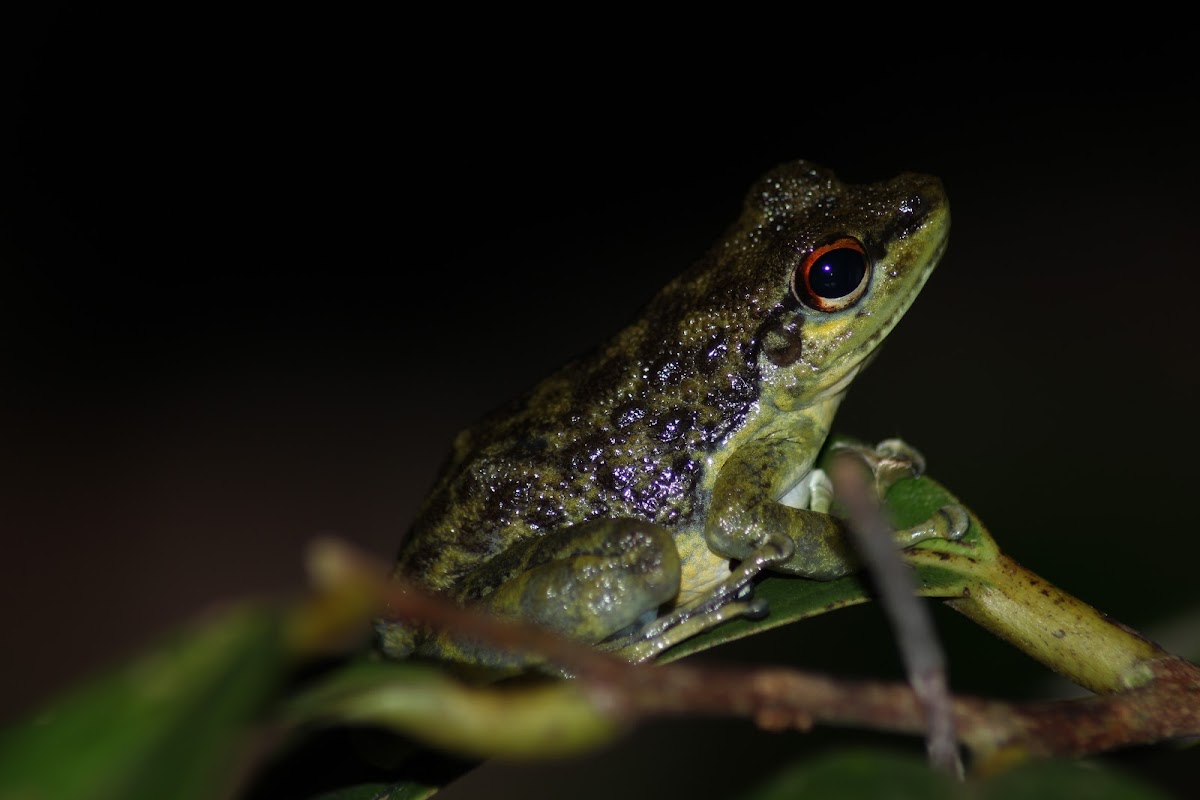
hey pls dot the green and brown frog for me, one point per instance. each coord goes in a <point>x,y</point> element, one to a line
<point>630,499</point>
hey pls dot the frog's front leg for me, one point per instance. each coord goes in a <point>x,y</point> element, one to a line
<point>748,522</point>
<point>586,582</point>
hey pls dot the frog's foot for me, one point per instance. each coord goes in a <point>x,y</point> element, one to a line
<point>638,648</point>
<point>734,587</point>
<point>726,600</point>
<point>890,461</point>
<point>949,522</point>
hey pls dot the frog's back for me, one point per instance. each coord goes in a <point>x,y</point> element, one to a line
<point>624,432</point>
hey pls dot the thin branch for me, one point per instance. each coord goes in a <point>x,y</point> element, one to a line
<point>1165,706</point>
<point>916,638</point>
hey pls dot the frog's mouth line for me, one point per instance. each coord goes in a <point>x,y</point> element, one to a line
<point>910,297</point>
<point>839,387</point>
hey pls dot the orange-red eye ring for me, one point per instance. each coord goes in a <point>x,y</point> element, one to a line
<point>834,275</point>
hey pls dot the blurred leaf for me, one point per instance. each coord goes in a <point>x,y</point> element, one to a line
<point>792,599</point>
<point>1074,779</point>
<point>164,725</point>
<point>856,775</point>
<point>870,775</point>
<point>381,791</point>
<point>543,719</point>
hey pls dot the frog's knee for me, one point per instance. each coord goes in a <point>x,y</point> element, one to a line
<point>395,640</point>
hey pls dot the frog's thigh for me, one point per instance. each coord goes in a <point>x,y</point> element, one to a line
<point>591,580</point>
<point>811,544</point>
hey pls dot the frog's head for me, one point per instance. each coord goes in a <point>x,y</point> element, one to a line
<point>841,264</point>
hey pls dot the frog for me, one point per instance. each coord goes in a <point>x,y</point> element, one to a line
<point>632,498</point>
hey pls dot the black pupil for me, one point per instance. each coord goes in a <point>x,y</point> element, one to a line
<point>837,273</point>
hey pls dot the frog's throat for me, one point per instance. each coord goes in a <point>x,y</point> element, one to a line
<point>853,362</point>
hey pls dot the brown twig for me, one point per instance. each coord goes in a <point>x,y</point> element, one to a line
<point>1166,705</point>
<point>1166,708</point>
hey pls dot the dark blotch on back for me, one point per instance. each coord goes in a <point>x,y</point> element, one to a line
<point>623,433</point>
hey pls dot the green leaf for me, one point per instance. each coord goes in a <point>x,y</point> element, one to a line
<point>1067,779</point>
<point>867,774</point>
<point>164,725</point>
<point>381,791</point>
<point>853,775</point>
<point>540,719</point>
<point>792,599</point>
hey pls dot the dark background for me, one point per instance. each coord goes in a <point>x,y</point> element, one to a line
<point>257,269</point>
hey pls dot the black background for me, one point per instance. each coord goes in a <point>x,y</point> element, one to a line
<point>258,268</point>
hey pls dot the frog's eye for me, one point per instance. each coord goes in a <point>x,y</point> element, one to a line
<point>833,276</point>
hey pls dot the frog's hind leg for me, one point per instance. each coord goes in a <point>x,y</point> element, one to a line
<point>586,582</point>
<point>728,599</point>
